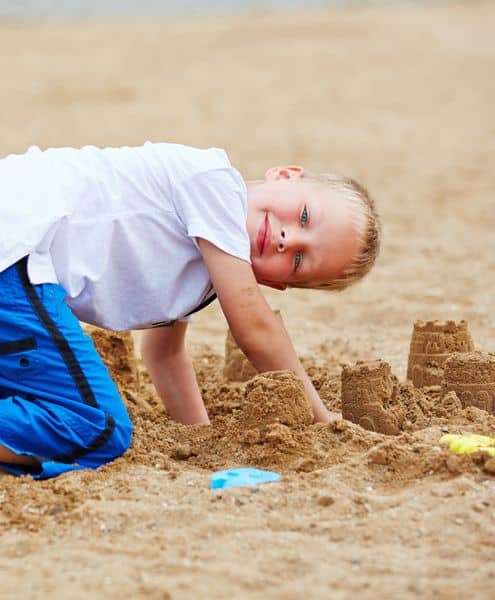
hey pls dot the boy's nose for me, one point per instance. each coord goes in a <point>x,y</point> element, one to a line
<point>286,239</point>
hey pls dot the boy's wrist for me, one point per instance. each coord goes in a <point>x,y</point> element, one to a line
<point>326,416</point>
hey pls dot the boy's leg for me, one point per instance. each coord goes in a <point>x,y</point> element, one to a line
<point>58,404</point>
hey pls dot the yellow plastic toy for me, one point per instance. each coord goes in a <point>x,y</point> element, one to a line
<point>469,443</point>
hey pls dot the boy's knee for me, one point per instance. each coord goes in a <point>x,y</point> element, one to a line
<point>120,440</point>
<point>123,426</point>
<point>113,406</point>
<point>123,438</point>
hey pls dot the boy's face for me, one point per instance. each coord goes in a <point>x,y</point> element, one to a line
<point>299,231</point>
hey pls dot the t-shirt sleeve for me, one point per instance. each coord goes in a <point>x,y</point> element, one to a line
<point>213,206</point>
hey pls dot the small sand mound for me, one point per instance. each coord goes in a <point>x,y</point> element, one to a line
<point>117,351</point>
<point>275,397</point>
<point>471,376</point>
<point>423,405</point>
<point>416,405</point>
<point>432,343</point>
<point>446,406</point>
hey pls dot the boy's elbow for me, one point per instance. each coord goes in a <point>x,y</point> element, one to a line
<point>256,335</point>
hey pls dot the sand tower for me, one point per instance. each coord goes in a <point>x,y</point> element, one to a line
<point>472,377</point>
<point>369,397</point>
<point>237,367</point>
<point>432,343</point>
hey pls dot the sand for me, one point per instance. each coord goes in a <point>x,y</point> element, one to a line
<point>401,98</point>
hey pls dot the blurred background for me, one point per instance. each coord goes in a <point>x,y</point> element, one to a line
<point>399,95</point>
<point>85,8</point>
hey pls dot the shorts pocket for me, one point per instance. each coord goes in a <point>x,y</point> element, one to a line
<point>18,358</point>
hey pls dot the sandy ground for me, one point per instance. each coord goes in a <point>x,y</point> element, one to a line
<point>401,98</point>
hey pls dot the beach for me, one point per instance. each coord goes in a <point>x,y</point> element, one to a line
<point>399,97</point>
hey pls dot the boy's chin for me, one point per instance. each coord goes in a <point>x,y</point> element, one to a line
<point>274,285</point>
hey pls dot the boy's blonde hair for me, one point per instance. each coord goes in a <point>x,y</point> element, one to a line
<point>355,193</point>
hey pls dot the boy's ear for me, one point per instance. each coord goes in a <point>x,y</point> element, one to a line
<point>288,172</point>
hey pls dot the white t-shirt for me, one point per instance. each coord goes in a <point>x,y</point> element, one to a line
<point>117,227</point>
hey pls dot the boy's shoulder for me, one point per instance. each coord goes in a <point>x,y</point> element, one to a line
<point>187,161</point>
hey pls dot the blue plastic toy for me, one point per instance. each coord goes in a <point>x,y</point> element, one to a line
<point>243,476</point>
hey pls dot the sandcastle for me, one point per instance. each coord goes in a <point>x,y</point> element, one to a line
<point>432,343</point>
<point>444,374</point>
<point>369,397</point>
<point>471,376</point>
<point>237,367</point>
<point>375,399</point>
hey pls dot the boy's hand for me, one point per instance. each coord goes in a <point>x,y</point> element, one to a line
<point>170,367</point>
<point>258,331</point>
<point>329,417</point>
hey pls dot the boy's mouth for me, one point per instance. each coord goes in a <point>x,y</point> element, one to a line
<point>263,235</point>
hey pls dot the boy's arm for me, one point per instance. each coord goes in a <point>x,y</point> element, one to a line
<point>258,331</point>
<point>170,367</point>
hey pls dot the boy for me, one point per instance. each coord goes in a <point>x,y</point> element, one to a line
<point>129,238</point>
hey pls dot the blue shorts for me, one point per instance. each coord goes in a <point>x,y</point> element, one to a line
<point>58,402</point>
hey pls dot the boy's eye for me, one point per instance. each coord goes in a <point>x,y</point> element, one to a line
<point>304,216</point>
<point>297,260</point>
